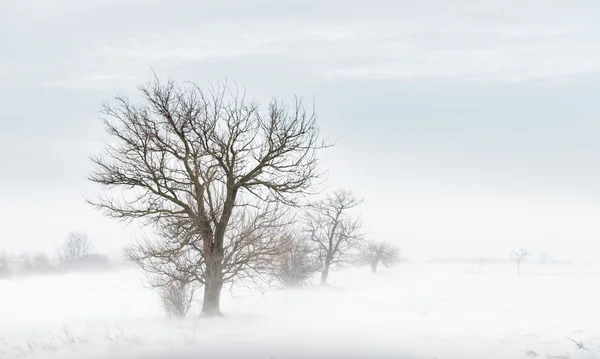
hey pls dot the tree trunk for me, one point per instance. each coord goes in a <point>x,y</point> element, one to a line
<point>211,306</point>
<point>518,268</point>
<point>324,275</point>
<point>374,267</point>
<point>325,272</point>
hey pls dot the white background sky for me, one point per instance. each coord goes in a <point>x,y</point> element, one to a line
<point>469,127</point>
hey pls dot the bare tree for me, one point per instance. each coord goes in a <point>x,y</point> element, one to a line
<point>334,231</point>
<point>76,246</point>
<point>298,262</point>
<point>374,253</point>
<point>40,263</point>
<point>192,162</point>
<point>5,264</point>
<point>544,260</point>
<point>518,257</point>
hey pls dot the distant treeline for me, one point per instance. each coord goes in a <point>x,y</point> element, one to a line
<point>74,255</point>
<point>544,260</point>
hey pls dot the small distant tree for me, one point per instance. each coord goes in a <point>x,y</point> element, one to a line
<point>375,253</point>
<point>544,259</point>
<point>40,263</point>
<point>518,257</point>
<point>481,263</point>
<point>76,246</point>
<point>33,264</point>
<point>334,231</point>
<point>94,261</point>
<point>5,267</point>
<point>24,264</point>
<point>298,262</point>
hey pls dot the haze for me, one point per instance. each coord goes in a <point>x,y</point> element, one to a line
<point>469,129</point>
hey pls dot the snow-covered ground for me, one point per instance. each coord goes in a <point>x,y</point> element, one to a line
<point>413,311</point>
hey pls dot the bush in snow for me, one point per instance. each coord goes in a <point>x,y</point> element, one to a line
<point>298,262</point>
<point>177,297</point>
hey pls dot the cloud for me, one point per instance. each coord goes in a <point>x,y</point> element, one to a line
<point>359,49</point>
<point>384,40</point>
<point>94,81</point>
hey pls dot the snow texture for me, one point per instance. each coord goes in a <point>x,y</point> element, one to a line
<point>443,311</point>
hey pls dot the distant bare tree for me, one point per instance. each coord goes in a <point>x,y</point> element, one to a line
<point>335,233</point>
<point>40,263</point>
<point>25,265</point>
<point>481,263</point>
<point>76,246</point>
<point>544,260</point>
<point>186,160</point>
<point>5,264</point>
<point>374,253</point>
<point>298,262</point>
<point>32,264</point>
<point>95,261</point>
<point>518,257</point>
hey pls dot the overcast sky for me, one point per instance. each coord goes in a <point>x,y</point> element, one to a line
<point>469,127</point>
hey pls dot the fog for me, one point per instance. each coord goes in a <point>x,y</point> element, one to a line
<point>276,324</point>
<point>414,311</point>
<point>466,131</point>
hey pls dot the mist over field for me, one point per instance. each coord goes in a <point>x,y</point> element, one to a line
<point>416,311</point>
<point>315,179</point>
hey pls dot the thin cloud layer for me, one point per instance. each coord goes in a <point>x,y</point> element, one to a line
<point>383,51</point>
<point>97,42</point>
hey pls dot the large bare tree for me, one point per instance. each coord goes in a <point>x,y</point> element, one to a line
<point>192,160</point>
<point>334,230</point>
<point>373,253</point>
